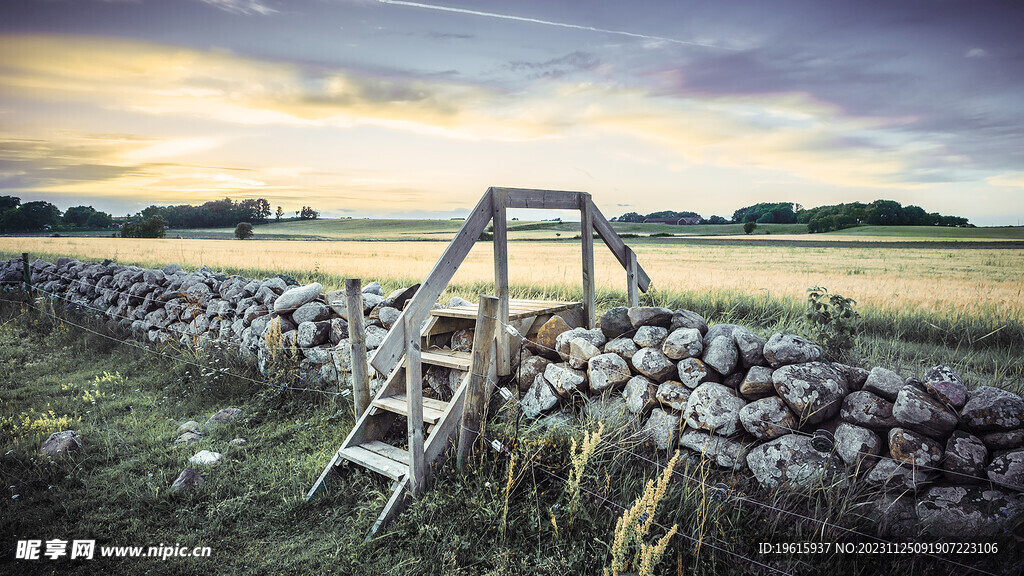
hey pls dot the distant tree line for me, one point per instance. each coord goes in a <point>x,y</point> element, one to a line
<point>213,214</point>
<point>39,215</point>
<point>820,219</point>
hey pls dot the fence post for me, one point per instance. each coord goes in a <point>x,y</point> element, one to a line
<point>357,345</point>
<point>414,405</point>
<point>476,390</point>
<point>587,236</point>
<point>28,277</point>
<point>632,290</point>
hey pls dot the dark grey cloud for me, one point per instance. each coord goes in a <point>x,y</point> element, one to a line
<point>572,62</point>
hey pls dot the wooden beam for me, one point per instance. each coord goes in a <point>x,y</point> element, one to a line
<point>587,236</point>
<point>632,296</point>
<point>414,398</point>
<point>473,418</point>
<point>390,351</point>
<point>618,247</point>
<point>357,346</point>
<point>541,199</point>
<point>27,277</point>
<point>499,198</point>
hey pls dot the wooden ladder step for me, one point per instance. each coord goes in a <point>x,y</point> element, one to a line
<point>447,358</point>
<point>372,460</point>
<point>433,408</point>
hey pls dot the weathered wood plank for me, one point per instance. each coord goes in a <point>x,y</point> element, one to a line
<point>376,462</point>
<point>446,358</point>
<point>617,246</point>
<point>414,400</point>
<point>357,346</point>
<point>499,198</point>
<point>541,199</point>
<point>632,293</point>
<point>391,349</point>
<point>388,451</point>
<point>587,240</point>
<point>398,404</point>
<point>473,416</point>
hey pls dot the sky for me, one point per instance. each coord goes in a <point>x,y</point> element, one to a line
<point>412,109</point>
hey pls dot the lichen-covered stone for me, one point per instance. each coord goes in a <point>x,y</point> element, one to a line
<point>892,474</point>
<point>1008,440</point>
<point>640,395</point>
<point>650,316</point>
<point>726,452</point>
<point>918,411</point>
<point>688,319</point>
<point>682,343</point>
<point>750,347</point>
<point>965,458</point>
<point>311,312</point>
<point>814,391</point>
<point>913,448</point>
<point>757,383</point>
<point>547,338</point>
<point>715,408</point>
<point>61,444</point>
<point>673,395</point>
<point>692,372</point>
<point>855,377</point>
<point>883,382</point>
<point>652,363</point>
<point>607,372</point>
<point>1007,470</point>
<point>615,323</point>
<point>855,443</point>
<point>767,418</point>
<point>662,428</point>
<point>297,296</point>
<point>721,355</point>
<point>869,410</point>
<point>624,347</point>
<point>791,460</point>
<point>564,379</point>
<point>539,398</point>
<point>564,339</point>
<point>580,352</point>
<point>783,349</point>
<point>993,409</point>
<point>957,512</point>
<point>650,336</point>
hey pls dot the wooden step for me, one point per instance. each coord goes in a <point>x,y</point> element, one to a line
<point>516,309</point>
<point>374,461</point>
<point>447,358</point>
<point>433,408</point>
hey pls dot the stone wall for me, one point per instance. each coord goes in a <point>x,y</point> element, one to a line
<point>772,408</point>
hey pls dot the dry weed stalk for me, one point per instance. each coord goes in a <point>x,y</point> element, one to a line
<point>634,525</point>
<point>579,465</point>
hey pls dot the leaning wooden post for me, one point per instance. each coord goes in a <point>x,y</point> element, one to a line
<point>499,199</point>
<point>587,235</point>
<point>28,277</point>
<point>357,346</point>
<point>632,290</point>
<point>476,390</point>
<point>414,404</point>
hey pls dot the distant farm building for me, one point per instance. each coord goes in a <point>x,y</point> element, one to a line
<point>684,221</point>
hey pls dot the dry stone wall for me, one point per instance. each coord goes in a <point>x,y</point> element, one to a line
<point>773,408</point>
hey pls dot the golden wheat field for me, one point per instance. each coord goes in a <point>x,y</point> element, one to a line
<point>959,281</point>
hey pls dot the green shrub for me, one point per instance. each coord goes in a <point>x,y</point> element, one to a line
<point>834,318</point>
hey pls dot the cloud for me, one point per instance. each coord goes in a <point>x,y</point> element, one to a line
<point>1010,179</point>
<point>557,67</point>
<point>244,7</point>
<point>975,53</point>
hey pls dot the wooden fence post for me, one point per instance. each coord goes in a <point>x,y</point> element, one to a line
<point>587,236</point>
<point>357,346</point>
<point>414,403</point>
<point>476,390</point>
<point>499,199</point>
<point>632,290</point>
<point>28,277</point>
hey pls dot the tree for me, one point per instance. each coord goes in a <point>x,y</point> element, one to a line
<point>99,220</point>
<point>308,213</point>
<point>243,231</point>
<point>9,202</point>
<point>749,227</point>
<point>78,215</point>
<point>279,213</point>
<point>154,227</point>
<point>717,220</point>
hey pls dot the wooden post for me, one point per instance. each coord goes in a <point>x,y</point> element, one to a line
<point>632,290</point>
<point>476,390</point>
<point>500,198</point>
<point>357,346</point>
<point>587,234</point>
<point>28,277</point>
<point>414,404</point>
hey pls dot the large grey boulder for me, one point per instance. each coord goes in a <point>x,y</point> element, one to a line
<point>297,296</point>
<point>894,475</point>
<point>993,409</point>
<point>1008,470</point>
<point>61,444</point>
<point>965,459</point>
<point>662,428</point>
<point>725,452</point>
<point>580,352</point>
<point>957,512</point>
<point>624,347</point>
<point>883,382</point>
<point>650,336</point>
<point>757,383</point>
<point>564,379</point>
<point>374,336</point>
<point>855,443</point>
<point>187,480</point>
<point>791,460</point>
<point>539,398</point>
<point>814,391</point>
<point>529,369</point>
<point>311,312</point>
<point>688,319</point>
<point>1008,440</point>
<point>693,372</point>
<point>399,296</point>
<point>607,372</point>
<point>750,347</point>
<point>918,411</point>
<point>650,316</point>
<point>653,364</point>
<point>615,323</point>
<point>714,408</point>
<point>673,395</point>
<point>682,343</point>
<point>915,449</point>
<point>782,349</point>
<point>721,354</point>
<point>640,395</point>
<point>310,334</point>
<point>869,410</point>
<point>767,418</point>
<point>563,340</point>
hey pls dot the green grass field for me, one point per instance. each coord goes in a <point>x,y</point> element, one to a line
<point>933,232</point>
